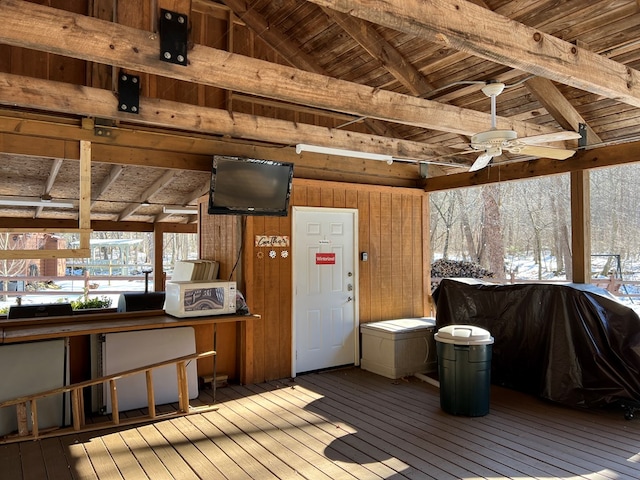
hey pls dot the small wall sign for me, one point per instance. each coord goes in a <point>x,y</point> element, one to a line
<point>272,241</point>
<point>325,258</point>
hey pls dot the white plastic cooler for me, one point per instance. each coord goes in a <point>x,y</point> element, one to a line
<point>398,348</point>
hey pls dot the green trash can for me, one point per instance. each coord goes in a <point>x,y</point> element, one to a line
<point>464,368</point>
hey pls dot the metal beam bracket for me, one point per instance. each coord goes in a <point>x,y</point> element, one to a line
<point>102,127</point>
<point>582,130</point>
<point>174,36</point>
<point>128,93</point>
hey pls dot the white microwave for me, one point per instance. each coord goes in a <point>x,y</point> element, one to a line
<point>200,299</point>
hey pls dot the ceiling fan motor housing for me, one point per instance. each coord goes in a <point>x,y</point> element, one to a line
<point>492,138</point>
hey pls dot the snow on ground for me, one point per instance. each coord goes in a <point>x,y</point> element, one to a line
<point>71,290</point>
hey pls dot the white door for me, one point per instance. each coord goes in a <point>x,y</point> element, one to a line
<point>325,280</point>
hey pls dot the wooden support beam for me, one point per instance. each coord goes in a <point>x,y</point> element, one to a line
<point>84,214</point>
<point>55,96</point>
<point>476,30</point>
<point>42,28</point>
<point>559,107</point>
<point>580,227</point>
<point>378,47</point>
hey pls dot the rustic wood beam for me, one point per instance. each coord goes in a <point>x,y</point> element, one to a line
<point>377,46</point>
<point>559,107</point>
<point>273,37</point>
<point>580,227</point>
<point>60,97</point>
<point>554,102</point>
<point>290,51</point>
<point>144,152</point>
<point>42,28</point>
<point>606,156</point>
<point>470,28</point>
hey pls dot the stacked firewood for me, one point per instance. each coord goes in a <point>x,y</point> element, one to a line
<point>458,269</point>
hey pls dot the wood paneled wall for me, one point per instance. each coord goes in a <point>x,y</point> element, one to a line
<point>392,230</point>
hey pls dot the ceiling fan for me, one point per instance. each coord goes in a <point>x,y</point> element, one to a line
<point>493,142</point>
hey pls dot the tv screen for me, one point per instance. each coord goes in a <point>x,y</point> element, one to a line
<point>247,186</point>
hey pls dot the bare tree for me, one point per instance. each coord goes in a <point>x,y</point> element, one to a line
<point>492,253</point>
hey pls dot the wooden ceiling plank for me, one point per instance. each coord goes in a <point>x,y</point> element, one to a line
<point>483,33</point>
<point>43,28</point>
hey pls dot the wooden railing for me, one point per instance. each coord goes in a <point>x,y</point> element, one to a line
<point>26,406</point>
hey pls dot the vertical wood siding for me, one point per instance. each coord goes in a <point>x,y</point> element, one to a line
<point>392,282</point>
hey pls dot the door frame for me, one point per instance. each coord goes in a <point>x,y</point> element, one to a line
<point>356,279</point>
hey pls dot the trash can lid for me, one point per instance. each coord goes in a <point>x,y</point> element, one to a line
<point>464,335</point>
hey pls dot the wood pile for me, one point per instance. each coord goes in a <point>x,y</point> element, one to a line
<point>458,269</point>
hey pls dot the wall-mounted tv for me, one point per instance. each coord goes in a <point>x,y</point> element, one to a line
<point>247,186</point>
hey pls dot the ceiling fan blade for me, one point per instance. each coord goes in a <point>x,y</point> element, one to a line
<point>558,136</point>
<point>544,152</point>
<point>481,162</point>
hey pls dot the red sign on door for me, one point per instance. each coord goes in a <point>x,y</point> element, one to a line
<point>325,258</point>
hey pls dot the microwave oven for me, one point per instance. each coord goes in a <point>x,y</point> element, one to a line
<point>200,299</point>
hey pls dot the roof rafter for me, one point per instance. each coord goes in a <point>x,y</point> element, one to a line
<point>158,185</point>
<point>43,28</point>
<point>291,52</point>
<point>463,26</point>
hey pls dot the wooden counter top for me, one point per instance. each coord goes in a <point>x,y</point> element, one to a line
<point>25,330</point>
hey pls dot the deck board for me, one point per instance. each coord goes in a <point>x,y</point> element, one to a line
<point>345,424</point>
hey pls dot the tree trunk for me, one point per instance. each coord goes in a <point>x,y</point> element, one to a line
<point>492,245</point>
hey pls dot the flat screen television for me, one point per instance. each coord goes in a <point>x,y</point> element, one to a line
<point>247,186</point>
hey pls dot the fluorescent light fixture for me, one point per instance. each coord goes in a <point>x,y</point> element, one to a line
<point>302,147</point>
<point>180,210</point>
<point>34,202</point>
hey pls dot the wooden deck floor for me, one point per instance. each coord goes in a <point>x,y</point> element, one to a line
<point>346,424</point>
